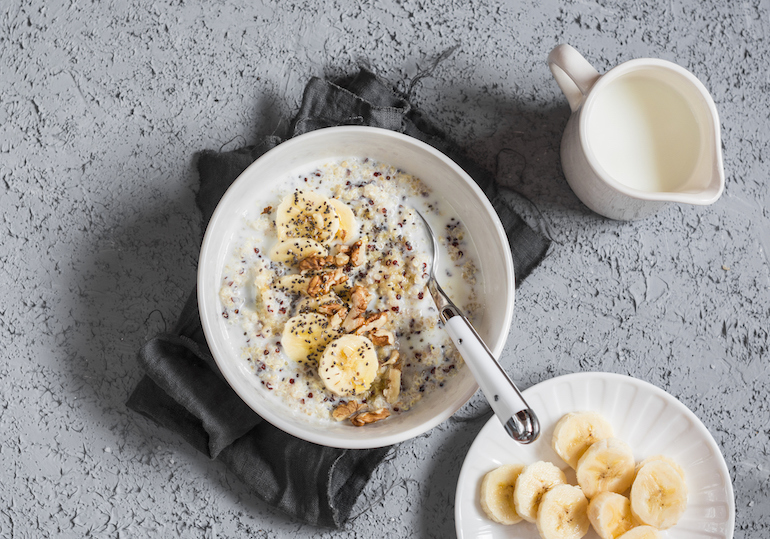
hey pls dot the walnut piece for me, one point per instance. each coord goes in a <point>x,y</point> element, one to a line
<point>358,253</point>
<point>314,286</point>
<point>360,296</point>
<point>336,319</point>
<point>373,322</point>
<point>347,409</point>
<point>382,337</point>
<point>359,420</point>
<point>267,209</point>
<point>321,284</point>
<point>315,263</point>
<point>352,322</point>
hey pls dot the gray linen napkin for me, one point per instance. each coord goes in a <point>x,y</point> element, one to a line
<point>184,391</point>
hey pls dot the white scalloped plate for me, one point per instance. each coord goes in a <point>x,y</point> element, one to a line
<point>650,420</point>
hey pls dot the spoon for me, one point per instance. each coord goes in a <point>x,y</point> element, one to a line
<point>518,419</point>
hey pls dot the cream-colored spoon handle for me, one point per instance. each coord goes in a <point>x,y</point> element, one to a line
<point>518,419</point>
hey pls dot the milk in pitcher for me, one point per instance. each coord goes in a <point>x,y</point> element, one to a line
<point>644,134</point>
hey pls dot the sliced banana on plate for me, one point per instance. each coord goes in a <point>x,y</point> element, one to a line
<point>658,495</point>
<point>608,465</point>
<point>664,458</point>
<point>575,432</point>
<point>305,337</point>
<point>349,365</point>
<point>307,214</point>
<point>497,493</point>
<point>348,230</point>
<point>610,514</point>
<point>563,513</point>
<point>291,251</point>
<point>641,532</point>
<point>605,469</point>
<point>533,482</point>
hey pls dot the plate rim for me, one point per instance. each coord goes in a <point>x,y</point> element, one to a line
<point>594,375</point>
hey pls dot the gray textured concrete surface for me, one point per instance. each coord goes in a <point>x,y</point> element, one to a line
<point>102,108</point>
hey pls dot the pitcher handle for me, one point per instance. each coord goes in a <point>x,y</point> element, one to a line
<point>574,75</point>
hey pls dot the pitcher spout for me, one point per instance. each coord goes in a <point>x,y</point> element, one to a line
<point>707,182</point>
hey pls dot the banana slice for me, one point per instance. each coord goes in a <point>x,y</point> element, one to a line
<point>532,483</point>
<point>348,230</point>
<point>658,495</point>
<point>563,513</point>
<point>610,514</point>
<point>663,458</point>
<point>348,365</point>
<point>294,283</point>
<point>293,250</point>
<point>305,336</point>
<point>306,214</point>
<point>607,465</point>
<point>497,493</point>
<point>641,532</point>
<point>575,432</point>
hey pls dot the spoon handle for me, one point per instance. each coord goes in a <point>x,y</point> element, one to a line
<point>518,419</point>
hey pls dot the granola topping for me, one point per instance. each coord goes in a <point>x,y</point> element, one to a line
<point>366,280</point>
<point>359,420</point>
<point>346,409</point>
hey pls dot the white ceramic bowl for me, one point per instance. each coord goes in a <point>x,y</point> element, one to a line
<point>255,186</point>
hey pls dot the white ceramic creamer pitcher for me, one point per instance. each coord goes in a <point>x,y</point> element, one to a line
<point>644,134</point>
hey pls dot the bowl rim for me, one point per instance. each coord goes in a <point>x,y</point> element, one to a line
<point>208,294</point>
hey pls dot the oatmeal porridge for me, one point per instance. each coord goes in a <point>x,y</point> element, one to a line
<point>326,294</point>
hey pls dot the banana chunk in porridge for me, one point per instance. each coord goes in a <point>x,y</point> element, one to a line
<point>326,291</point>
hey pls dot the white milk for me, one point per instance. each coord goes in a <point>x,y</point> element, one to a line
<point>644,134</point>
